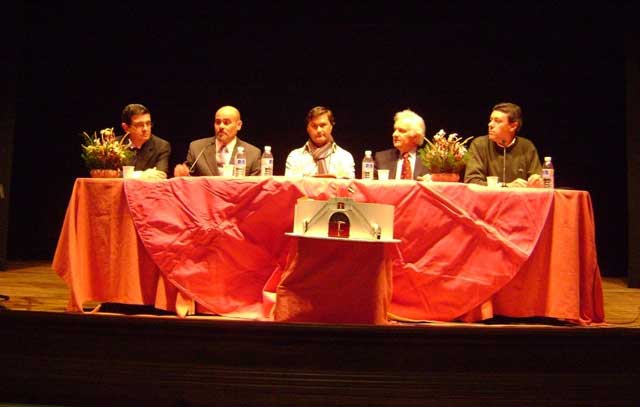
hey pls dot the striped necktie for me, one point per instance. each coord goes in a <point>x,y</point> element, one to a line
<point>221,156</point>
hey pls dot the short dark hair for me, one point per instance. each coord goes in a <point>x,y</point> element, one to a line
<point>132,110</point>
<point>320,110</point>
<point>513,112</point>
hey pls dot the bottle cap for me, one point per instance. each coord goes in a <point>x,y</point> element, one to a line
<point>367,152</point>
<point>547,158</point>
<point>267,148</point>
<point>240,148</point>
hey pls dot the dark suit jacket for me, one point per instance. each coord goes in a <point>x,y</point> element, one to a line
<point>388,160</point>
<point>154,153</point>
<point>207,164</point>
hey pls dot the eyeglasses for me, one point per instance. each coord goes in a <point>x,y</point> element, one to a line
<point>142,125</point>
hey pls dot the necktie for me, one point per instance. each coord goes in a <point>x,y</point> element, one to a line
<point>406,167</point>
<point>221,156</point>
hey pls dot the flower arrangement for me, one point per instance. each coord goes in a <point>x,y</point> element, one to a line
<point>445,154</point>
<point>106,152</point>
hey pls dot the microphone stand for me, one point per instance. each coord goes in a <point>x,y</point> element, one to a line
<point>504,166</point>
<point>503,144</point>
<point>198,157</point>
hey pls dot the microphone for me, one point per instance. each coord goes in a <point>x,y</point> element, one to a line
<point>504,163</point>
<point>198,157</point>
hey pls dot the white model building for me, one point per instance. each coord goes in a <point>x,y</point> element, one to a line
<point>344,218</point>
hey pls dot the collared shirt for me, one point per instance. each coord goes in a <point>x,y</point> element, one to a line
<point>300,163</point>
<point>412,160</point>
<point>227,154</point>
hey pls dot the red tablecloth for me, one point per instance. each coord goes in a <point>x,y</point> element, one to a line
<point>467,252</point>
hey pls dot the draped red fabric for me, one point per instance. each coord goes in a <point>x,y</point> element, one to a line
<point>221,241</point>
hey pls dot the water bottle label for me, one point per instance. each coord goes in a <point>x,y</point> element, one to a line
<point>241,162</point>
<point>547,177</point>
<point>367,169</point>
<point>266,166</point>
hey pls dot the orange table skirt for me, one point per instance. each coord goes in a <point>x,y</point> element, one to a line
<point>100,257</point>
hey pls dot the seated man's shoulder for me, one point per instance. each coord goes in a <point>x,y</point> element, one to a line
<point>342,149</point>
<point>480,139</point>
<point>386,153</point>
<point>525,141</point>
<point>201,141</point>
<point>345,155</point>
<point>480,143</point>
<point>248,147</point>
<point>298,150</point>
<point>160,141</point>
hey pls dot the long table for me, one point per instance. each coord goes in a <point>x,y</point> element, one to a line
<point>467,252</point>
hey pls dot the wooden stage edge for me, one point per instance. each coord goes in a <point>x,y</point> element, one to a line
<point>68,359</point>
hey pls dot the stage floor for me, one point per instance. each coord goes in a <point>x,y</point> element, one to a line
<point>134,355</point>
<point>34,286</point>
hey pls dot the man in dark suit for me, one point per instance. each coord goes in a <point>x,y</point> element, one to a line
<point>151,152</point>
<point>207,156</point>
<point>403,161</point>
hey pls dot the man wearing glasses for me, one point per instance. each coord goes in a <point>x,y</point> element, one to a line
<point>152,152</point>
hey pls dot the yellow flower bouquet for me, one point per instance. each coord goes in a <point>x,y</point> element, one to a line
<point>445,154</point>
<point>106,151</point>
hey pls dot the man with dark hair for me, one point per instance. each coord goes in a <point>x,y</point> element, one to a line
<point>503,151</point>
<point>151,152</point>
<point>320,155</point>
<point>207,156</point>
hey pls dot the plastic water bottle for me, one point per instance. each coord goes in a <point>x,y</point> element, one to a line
<point>547,173</point>
<point>266,162</point>
<point>240,163</point>
<point>367,165</point>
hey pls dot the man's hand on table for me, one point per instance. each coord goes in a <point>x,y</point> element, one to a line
<point>534,181</point>
<point>150,174</point>
<point>181,170</point>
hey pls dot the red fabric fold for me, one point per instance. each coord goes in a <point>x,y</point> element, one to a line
<point>221,241</point>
